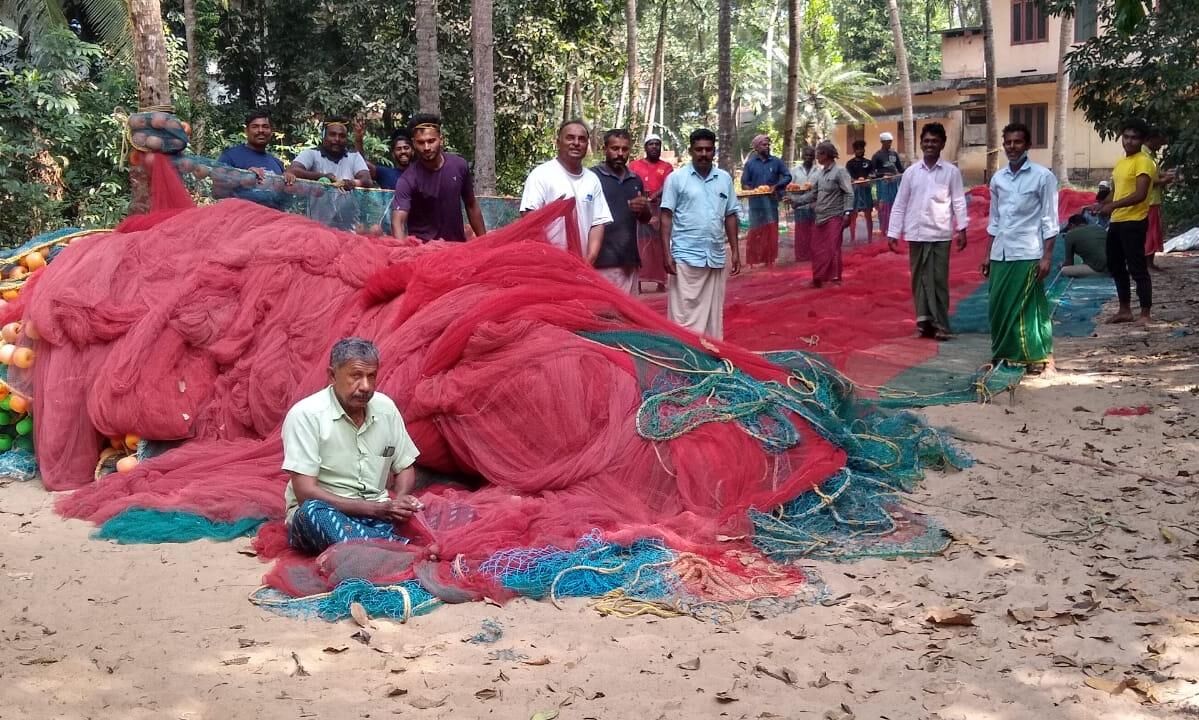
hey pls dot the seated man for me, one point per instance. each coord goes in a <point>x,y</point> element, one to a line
<point>349,457</point>
<point>1088,242</point>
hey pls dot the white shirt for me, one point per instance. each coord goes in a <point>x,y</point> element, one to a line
<point>1023,212</point>
<point>931,203</point>
<point>550,181</point>
<point>345,169</point>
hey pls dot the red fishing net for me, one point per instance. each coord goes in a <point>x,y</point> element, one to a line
<point>206,324</point>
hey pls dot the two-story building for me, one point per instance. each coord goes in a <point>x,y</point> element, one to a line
<point>1026,57</point>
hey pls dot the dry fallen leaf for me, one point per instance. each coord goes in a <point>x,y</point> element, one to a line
<point>362,636</point>
<point>545,715</point>
<point>949,616</point>
<point>424,703</point>
<point>239,660</point>
<point>822,681</point>
<point>487,694</point>
<point>336,650</point>
<point>724,697</point>
<point>51,661</point>
<point>1109,686</point>
<point>537,661</point>
<point>299,671</point>
<point>358,613</point>
<point>1022,615</point>
<point>692,664</point>
<point>786,675</point>
<point>397,692</point>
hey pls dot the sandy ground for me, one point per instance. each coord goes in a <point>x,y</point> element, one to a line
<point>1066,572</point>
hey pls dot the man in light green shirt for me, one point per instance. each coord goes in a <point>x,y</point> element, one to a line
<point>349,458</point>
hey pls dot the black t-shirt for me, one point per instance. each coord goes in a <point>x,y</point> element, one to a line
<point>620,237</point>
<point>887,162</point>
<point>859,167</point>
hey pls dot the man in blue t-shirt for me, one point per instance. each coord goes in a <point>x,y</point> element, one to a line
<point>400,150</point>
<point>252,155</point>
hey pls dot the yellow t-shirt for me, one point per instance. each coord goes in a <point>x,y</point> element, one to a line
<point>1124,180</point>
<point>1155,190</point>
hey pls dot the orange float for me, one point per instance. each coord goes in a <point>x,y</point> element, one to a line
<point>18,403</point>
<point>23,358</point>
<point>11,332</point>
<point>17,273</point>
<point>126,464</point>
<point>33,261</point>
<point>131,441</point>
<point>10,295</point>
<point>30,331</point>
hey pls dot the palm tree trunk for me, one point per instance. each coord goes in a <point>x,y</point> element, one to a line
<point>992,83</point>
<point>1065,40</point>
<point>195,80</point>
<point>795,10</point>
<point>428,71</point>
<point>483,41</point>
<point>153,81</point>
<point>905,80</point>
<point>654,98</point>
<point>724,85</point>
<point>150,54</point>
<point>630,28</point>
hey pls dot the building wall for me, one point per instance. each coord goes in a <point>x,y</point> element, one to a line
<point>1024,59</point>
<point>1088,158</point>
<point>962,56</point>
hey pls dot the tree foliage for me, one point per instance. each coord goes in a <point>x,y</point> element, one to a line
<point>1151,72</point>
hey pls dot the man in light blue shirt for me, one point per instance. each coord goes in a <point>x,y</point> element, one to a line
<point>699,217</point>
<point>1020,235</point>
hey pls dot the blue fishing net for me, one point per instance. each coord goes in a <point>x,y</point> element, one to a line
<point>394,602</point>
<point>140,525</point>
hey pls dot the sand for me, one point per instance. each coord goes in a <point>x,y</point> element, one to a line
<point>1066,573</point>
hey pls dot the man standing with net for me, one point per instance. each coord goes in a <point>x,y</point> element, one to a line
<point>929,210</point>
<point>888,168</point>
<point>619,261</point>
<point>861,172</point>
<point>1020,235</point>
<point>832,208</point>
<point>653,171</point>
<point>331,161</point>
<point>699,218</point>
<point>432,193</point>
<point>767,176</point>
<point>565,176</point>
<point>349,458</point>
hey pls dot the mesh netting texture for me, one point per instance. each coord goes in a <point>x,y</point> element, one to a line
<point>621,453</point>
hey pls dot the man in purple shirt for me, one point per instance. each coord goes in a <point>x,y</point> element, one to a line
<point>431,193</point>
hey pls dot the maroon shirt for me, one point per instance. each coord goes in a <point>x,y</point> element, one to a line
<point>433,198</point>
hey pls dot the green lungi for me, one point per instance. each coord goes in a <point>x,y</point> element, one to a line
<point>929,262</point>
<point>1021,326</point>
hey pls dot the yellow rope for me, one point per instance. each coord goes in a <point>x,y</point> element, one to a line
<point>617,604</point>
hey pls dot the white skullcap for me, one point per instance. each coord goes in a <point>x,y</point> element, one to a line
<point>885,136</point>
<point>653,137</point>
<point>1105,184</point>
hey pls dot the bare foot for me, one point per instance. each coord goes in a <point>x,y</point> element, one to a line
<point>1124,316</point>
<point>1143,319</point>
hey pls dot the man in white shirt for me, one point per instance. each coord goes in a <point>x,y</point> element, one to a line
<point>1020,234</point>
<point>331,161</point>
<point>928,211</point>
<point>565,176</point>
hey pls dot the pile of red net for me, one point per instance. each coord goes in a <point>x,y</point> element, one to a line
<point>206,324</point>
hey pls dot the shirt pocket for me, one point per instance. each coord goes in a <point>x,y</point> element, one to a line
<point>1026,202</point>
<point>939,212</point>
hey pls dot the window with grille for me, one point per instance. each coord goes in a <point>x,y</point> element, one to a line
<point>1029,22</point>
<point>1036,117</point>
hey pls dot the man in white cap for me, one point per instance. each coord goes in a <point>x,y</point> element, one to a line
<point>888,167</point>
<point>653,171</point>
